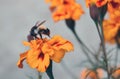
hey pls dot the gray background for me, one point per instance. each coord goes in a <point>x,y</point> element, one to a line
<point>16,19</point>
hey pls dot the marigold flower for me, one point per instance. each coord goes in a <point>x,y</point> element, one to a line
<point>69,9</point>
<point>91,74</point>
<point>34,56</point>
<point>98,3</point>
<point>110,29</point>
<point>42,50</point>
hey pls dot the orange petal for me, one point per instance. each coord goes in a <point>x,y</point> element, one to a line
<point>58,55</point>
<point>32,58</point>
<point>22,58</point>
<point>67,46</point>
<point>56,48</point>
<point>46,48</point>
<point>43,64</point>
<point>25,43</point>
<point>110,30</point>
<point>61,44</point>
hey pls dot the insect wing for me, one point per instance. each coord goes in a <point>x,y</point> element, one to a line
<point>40,23</point>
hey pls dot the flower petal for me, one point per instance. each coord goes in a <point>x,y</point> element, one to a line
<point>25,43</point>
<point>60,43</point>
<point>43,64</point>
<point>22,58</point>
<point>46,48</point>
<point>32,58</point>
<point>58,55</point>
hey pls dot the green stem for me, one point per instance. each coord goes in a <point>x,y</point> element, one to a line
<point>104,50</point>
<point>116,58</point>
<point>80,41</point>
<point>84,47</point>
<point>97,55</point>
<point>39,76</point>
<point>99,33</point>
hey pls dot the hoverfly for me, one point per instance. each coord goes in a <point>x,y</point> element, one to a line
<point>39,29</point>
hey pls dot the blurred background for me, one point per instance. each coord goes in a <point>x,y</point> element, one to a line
<point>16,19</point>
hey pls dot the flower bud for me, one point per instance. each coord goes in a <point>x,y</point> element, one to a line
<point>102,11</point>
<point>94,12</point>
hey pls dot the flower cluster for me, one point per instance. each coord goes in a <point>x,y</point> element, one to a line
<point>65,9</point>
<point>111,26</point>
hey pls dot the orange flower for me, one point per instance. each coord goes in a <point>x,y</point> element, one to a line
<point>57,46</point>
<point>98,3</point>
<point>116,74</point>
<point>34,56</point>
<point>42,50</point>
<point>68,9</point>
<point>110,28</point>
<point>91,74</point>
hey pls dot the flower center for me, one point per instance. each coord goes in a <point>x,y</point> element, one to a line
<point>41,56</point>
<point>65,2</point>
